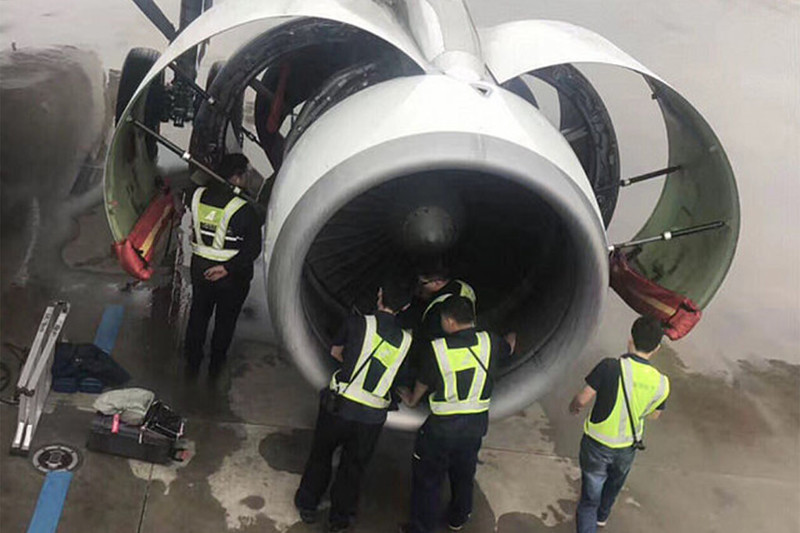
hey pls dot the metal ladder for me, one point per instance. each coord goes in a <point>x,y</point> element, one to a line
<point>36,377</point>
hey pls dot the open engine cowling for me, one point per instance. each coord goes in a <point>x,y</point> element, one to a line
<point>419,134</point>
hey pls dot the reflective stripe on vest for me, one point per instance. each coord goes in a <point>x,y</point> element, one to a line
<point>211,221</point>
<point>454,360</point>
<point>389,356</point>
<point>647,388</point>
<point>466,291</point>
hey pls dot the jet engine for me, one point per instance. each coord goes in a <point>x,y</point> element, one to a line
<point>396,130</point>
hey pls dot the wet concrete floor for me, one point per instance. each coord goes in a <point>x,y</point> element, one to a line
<point>724,458</point>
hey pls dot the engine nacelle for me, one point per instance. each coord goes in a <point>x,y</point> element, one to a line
<point>530,237</point>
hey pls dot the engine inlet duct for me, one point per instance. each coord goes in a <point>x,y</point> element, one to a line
<point>405,131</point>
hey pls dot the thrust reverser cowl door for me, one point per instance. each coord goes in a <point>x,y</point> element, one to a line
<point>702,191</point>
<point>129,180</point>
<point>299,60</point>
<point>585,124</point>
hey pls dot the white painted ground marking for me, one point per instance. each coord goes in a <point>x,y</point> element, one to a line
<point>516,482</point>
<point>245,473</point>
<point>166,474</point>
<point>629,500</point>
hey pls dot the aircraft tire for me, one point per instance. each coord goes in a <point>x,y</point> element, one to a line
<point>137,64</point>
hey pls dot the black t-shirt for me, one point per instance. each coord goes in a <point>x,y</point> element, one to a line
<point>469,425</point>
<point>411,317</point>
<point>351,336</point>
<point>245,223</point>
<point>431,323</point>
<point>604,379</point>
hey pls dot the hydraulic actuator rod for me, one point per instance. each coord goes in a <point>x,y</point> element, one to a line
<point>186,156</point>
<point>669,235</point>
<point>649,175</point>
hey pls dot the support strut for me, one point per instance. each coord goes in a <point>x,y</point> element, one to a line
<point>186,156</point>
<point>669,235</point>
<point>650,175</point>
<point>158,18</point>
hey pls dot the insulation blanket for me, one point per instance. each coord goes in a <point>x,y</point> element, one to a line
<point>676,312</point>
<point>136,251</point>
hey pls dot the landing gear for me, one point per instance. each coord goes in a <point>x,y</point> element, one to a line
<point>137,64</point>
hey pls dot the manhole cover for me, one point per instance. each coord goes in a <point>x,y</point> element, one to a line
<point>56,457</point>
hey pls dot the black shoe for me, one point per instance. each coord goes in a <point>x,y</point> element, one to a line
<point>308,516</point>
<point>458,526</point>
<point>338,527</point>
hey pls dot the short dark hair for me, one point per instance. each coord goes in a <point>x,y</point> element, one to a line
<point>396,293</point>
<point>233,165</point>
<point>459,309</point>
<point>647,333</point>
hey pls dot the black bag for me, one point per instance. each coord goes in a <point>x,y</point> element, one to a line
<point>81,361</point>
<point>330,401</point>
<point>108,435</point>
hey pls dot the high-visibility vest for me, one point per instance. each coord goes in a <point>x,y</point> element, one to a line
<point>646,387</point>
<point>452,361</point>
<point>384,358</point>
<point>211,239</point>
<point>464,290</point>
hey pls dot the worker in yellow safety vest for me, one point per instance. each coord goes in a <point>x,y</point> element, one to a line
<point>458,370</point>
<point>434,286</point>
<point>423,317</point>
<point>226,240</point>
<point>371,351</point>
<point>625,392</point>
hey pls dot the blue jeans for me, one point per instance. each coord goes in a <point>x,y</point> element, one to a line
<point>603,472</point>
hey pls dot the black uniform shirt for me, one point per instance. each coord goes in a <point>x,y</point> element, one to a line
<point>430,327</point>
<point>244,223</point>
<point>431,323</point>
<point>351,336</point>
<point>604,378</point>
<point>468,425</point>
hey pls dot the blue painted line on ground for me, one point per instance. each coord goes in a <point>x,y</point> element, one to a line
<point>51,503</point>
<point>108,329</point>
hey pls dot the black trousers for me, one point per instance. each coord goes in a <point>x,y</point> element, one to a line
<point>434,456</point>
<point>358,442</point>
<point>224,297</point>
